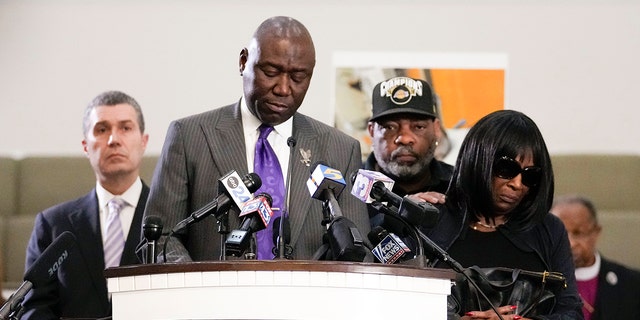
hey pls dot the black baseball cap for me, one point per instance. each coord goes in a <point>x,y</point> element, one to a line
<point>402,95</point>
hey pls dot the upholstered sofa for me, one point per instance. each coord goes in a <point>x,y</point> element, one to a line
<point>32,184</point>
<point>612,182</point>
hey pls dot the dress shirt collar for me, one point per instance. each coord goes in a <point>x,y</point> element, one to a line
<point>590,272</point>
<point>251,124</point>
<point>131,196</point>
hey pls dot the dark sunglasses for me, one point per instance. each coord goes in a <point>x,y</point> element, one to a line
<point>507,168</point>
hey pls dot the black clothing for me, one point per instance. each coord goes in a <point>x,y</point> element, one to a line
<point>490,249</point>
<point>441,173</point>
<point>547,240</point>
<point>618,294</point>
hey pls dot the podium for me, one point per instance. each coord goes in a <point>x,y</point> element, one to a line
<point>280,289</point>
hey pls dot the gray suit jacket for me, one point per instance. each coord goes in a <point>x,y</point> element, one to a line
<point>200,149</point>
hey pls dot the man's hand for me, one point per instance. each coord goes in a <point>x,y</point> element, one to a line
<point>429,196</point>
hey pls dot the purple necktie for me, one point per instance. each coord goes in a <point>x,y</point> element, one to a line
<point>266,165</point>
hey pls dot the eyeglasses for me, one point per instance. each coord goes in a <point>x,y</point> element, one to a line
<point>507,168</point>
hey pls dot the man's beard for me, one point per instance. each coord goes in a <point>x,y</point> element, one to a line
<point>404,172</point>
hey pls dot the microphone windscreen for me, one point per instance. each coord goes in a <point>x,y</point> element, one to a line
<point>266,196</point>
<point>291,142</point>
<point>252,181</point>
<point>53,256</point>
<point>152,227</point>
<point>376,235</point>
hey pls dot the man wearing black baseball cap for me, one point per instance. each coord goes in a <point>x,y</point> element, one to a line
<point>405,129</point>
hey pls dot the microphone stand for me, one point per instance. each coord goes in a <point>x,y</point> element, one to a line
<point>282,246</point>
<point>12,307</point>
<point>456,266</point>
<point>223,230</point>
<point>441,253</point>
<point>326,220</point>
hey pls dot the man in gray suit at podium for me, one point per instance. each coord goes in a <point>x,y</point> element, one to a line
<point>276,69</point>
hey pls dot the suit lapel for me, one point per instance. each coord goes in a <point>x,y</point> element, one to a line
<point>300,200</point>
<point>135,237</point>
<point>227,151</point>
<point>86,226</point>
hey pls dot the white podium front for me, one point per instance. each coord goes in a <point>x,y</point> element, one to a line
<point>278,290</point>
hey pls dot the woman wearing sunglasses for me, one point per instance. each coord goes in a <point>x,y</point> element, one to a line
<point>497,209</point>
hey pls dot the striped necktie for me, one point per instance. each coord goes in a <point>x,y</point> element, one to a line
<point>114,243</point>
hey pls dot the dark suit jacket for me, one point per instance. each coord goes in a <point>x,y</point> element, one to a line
<point>81,290</point>
<point>202,148</point>
<point>617,299</point>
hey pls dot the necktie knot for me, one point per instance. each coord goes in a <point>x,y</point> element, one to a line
<point>265,130</point>
<point>116,205</point>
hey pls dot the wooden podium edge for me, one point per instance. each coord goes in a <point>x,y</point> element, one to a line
<point>280,265</point>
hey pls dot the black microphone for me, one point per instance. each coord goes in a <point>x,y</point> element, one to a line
<point>152,230</point>
<point>47,265</point>
<point>41,271</point>
<point>257,215</point>
<point>282,237</point>
<point>345,240</point>
<point>236,191</point>
<point>11,308</point>
<point>377,184</point>
<point>325,184</point>
<point>281,247</point>
<point>389,247</point>
<point>417,213</point>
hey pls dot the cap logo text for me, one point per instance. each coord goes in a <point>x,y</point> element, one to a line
<point>400,90</point>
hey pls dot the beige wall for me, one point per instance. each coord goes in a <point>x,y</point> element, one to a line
<point>572,65</point>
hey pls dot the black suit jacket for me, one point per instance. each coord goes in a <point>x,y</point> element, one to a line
<point>618,294</point>
<point>81,288</point>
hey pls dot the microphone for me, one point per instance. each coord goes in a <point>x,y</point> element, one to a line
<point>324,178</point>
<point>389,248</point>
<point>326,184</point>
<point>345,240</point>
<point>152,230</point>
<point>363,181</point>
<point>257,215</point>
<point>378,192</point>
<point>281,249</point>
<point>416,213</point>
<point>11,308</point>
<point>42,270</point>
<point>47,265</point>
<point>282,237</point>
<point>236,191</point>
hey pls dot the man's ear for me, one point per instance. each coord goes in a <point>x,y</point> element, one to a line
<point>242,61</point>
<point>370,128</point>
<point>84,147</point>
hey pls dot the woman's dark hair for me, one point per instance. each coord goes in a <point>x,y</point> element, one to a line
<point>501,133</point>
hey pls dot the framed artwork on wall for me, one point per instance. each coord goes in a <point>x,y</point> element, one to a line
<point>466,86</point>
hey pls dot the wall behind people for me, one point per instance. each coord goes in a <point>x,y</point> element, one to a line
<point>572,66</point>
